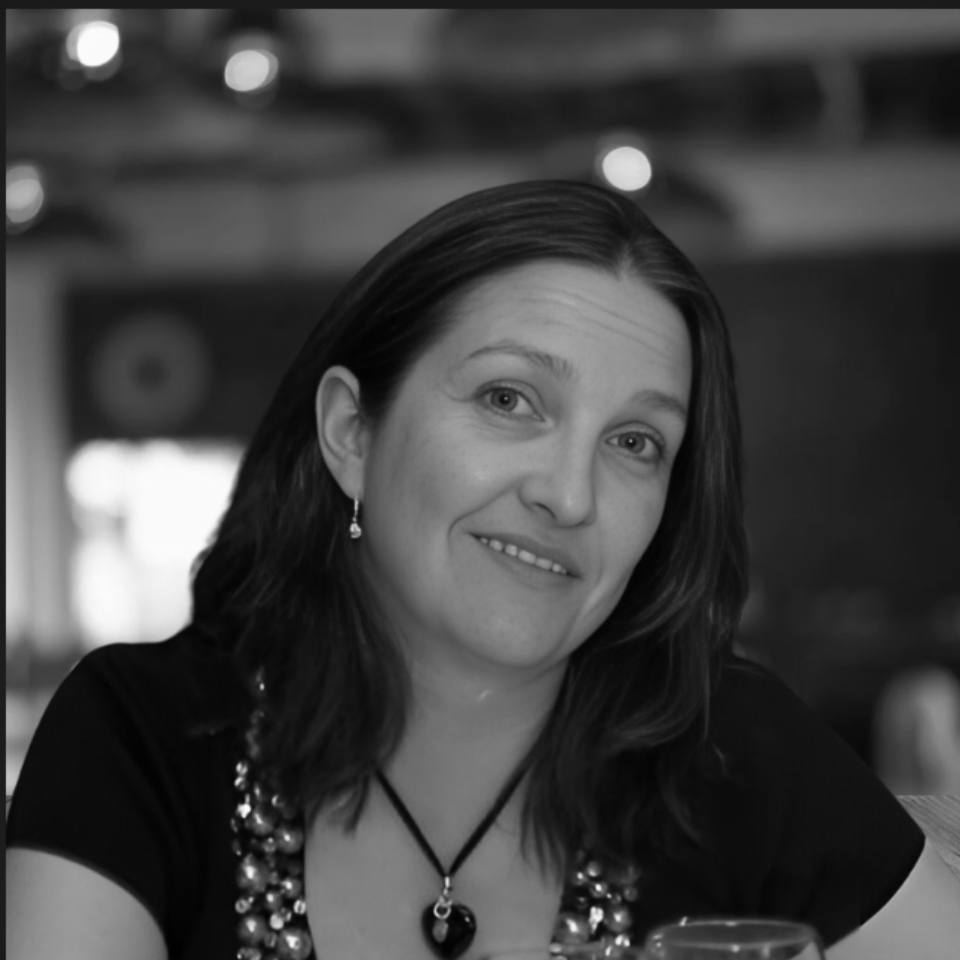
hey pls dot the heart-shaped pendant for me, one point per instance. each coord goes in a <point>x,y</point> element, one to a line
<point>450,935</point>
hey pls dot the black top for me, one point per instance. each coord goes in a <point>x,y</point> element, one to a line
<point>131,773</point>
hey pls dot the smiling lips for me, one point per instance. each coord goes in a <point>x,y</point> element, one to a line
<point>526,556</point>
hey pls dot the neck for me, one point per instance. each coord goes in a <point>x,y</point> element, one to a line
<point>467,731</point>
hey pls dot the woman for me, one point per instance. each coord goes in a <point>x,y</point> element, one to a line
<point>459,679</point>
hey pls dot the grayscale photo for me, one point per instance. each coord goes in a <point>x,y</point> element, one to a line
<point>482,484</point>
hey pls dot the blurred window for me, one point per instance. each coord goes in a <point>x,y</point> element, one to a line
<point>143,511</point>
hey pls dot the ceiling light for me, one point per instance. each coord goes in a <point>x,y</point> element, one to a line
<point>251,67</point>
<point>625,167</point>
<point>93,44</point>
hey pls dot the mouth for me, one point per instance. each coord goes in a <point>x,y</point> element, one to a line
<point>525,556</point>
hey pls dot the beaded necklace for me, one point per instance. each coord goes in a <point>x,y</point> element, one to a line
<point>595,914</point>
<point>268,840</point>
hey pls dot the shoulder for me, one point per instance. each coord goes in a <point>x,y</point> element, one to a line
<point>746,687</point>
<point>801,823</point>
<point>129,720</point>
<point>127,775</point>
<point>761,725</point>
<point>184,684</point>
<point>779,754</point>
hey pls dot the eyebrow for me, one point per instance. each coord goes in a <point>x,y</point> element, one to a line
<point>563,370</point>
<point>662,401</point>
<point>557,366</point>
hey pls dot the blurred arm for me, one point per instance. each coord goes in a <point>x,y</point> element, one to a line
<point>58,908</point>
<point>921,921</point>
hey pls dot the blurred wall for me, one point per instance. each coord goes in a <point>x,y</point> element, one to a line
<point>37,524</point>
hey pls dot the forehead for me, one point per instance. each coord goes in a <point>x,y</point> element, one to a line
<point>586,315</point>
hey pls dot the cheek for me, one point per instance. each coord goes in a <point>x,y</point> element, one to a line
<point>630,531</point>
<point>626,538</point>
<point>454,466</point>
<point>417,480</point>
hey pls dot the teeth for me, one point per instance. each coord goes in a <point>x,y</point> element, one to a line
<point>525,555</point>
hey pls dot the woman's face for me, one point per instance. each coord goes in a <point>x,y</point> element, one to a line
<point>523,467</point>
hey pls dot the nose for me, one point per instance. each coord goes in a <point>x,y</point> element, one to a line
<point>561,480</point>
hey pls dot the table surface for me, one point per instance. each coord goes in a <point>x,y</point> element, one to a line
<point>939,818</point>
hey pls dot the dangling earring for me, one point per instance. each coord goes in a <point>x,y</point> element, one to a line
<point>355,532</point>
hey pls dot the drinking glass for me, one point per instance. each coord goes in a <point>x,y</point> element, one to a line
<point>725,939</point>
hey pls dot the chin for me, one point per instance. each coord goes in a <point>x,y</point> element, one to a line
<point>519,649</point>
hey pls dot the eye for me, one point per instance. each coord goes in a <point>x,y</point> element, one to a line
<point>507,400</point>
<point>639,445</point>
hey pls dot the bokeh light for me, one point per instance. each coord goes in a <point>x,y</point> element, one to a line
<point>93,44</point>
<point>251,67</point>
<point>626,167</point>
<point>25,195</point>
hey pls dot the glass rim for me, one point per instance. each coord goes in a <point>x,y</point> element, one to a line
<point>780,930</point>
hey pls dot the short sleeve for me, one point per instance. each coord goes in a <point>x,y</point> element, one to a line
<point>803,826</point>
<point>111,781</point>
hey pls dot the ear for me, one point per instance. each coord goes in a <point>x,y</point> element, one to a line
<point>340,429</point>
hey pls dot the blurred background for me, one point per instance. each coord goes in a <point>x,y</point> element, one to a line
<point>188,189</point>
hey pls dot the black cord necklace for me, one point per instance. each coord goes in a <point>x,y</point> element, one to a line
<point>448,926</point>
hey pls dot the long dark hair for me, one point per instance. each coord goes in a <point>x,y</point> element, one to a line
<point>281,585</point>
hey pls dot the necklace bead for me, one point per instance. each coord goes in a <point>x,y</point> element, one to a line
<point>268,842</point>
<point>251,929</point>
<point>272,922</point>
